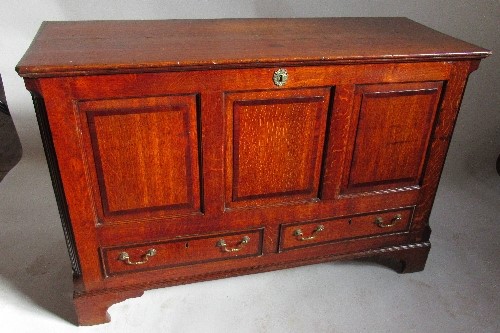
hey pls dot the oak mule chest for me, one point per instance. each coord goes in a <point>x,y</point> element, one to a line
<point>189,150</point>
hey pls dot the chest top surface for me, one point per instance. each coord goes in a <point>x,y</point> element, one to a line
<point>103,47</point>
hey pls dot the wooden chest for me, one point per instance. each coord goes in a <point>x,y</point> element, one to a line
<point>189,150</point>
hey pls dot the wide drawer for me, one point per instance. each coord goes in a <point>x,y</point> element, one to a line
<point>181,251</point>
<point>302,234</point>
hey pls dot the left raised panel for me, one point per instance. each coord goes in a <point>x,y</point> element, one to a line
<point>143,156</point>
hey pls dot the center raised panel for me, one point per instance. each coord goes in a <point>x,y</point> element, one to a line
<point>274,146</point>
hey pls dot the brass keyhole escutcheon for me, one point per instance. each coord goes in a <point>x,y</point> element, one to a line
<point>280,77</point>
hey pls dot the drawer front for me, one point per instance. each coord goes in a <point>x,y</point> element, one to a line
<point>298,235</point>
<point>181,252</point>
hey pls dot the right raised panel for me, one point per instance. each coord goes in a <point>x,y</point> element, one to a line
<point>390,132</point>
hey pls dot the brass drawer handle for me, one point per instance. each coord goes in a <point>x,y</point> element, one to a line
<point>126,258</point>
<point>223,245</point>
<point>280,77</point>
<point>300,235</point>
<point>380,221</point>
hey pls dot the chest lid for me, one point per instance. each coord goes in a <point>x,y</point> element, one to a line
<point>106,47</point>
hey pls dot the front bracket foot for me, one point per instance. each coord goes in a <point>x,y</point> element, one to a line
<point>92,308</point>
<point>404,258</point>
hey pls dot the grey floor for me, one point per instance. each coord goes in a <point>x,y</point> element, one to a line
<point>457,292</point>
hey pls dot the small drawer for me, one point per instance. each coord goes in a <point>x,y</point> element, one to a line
<point>297,235</point>
<point>181,251</point>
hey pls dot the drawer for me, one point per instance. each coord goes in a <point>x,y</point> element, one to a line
<point>181,251</point>
<point>303,234</point>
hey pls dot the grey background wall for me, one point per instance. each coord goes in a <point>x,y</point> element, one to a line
<point>476,143</point>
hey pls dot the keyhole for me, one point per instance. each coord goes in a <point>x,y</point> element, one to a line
<point>186,245</point>
<point>350,221</point>
<point>280,77</point>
